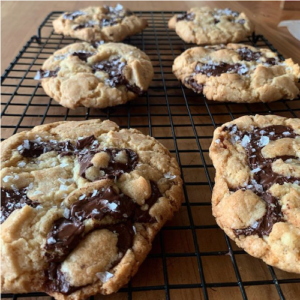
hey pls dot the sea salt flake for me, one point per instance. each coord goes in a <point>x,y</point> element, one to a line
<point>82,197</point>
<point>51,241</point>
<point>256,170</point>
<point>233,130</point>
<point>134,229</point>
<point>66,213</point>
<point>94,193</point>
<point>104,276</point>
<point>245,141</point>
<point>37,193</point>
<point>22,164</point>
<point>95,211</point>
<point>62,180</point>
<point>112,206</point>
<point>63,164</point>
<point>169,176</point>
<point>255,225</point>
<point>264,140</point>
<point>7,178</point>
<point>26,144</point>
<point>286,133</point>
<point>217,141</point>
<point>63,187</point>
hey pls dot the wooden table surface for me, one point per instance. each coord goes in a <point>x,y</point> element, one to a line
<point>20,21</point>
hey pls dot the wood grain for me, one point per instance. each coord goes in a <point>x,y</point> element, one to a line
<point>20,21</point>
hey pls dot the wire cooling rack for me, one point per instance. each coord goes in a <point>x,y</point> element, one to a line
<point>191,257</point>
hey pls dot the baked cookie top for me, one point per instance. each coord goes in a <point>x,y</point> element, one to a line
<point>81,204</point>
<point>101,23</point>
<point>205,25</point>
<point>238,73</point>
<point>98,75</point>
<point>256,198</point>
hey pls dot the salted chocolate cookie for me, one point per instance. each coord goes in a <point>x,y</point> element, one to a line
<point>205,25</point>
<point>256,198</point>
<point>99,76</point>
<point>81,204</point>
<point>101,23</point>
<point>238,73</point>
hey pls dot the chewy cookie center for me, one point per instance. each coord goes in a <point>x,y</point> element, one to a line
<point>263,175</point>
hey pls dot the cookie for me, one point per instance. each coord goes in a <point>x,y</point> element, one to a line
<point>99,76</point>
<point>101,23</point>
<point>256,198</point>
<point>238,73</point>
<point>81,205</point>
<point>205,25</point>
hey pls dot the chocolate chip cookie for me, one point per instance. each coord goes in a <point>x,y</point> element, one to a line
<point>101,23</point>
<point>205,25</point>
<point>238,73</point>
<point>101,75</point>
<point>256,198</point>
<point>81,204</point>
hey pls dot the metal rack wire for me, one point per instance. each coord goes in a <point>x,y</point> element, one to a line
<point>206,264</point>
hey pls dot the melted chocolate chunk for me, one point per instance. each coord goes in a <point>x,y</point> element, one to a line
<point>85,149</point>
<point>12,200</point>
<point>109,22</point>
<point>63,237</point>
<point>125,236</point>
<point>73,15</point>
<point>67,232</point>
<point>185,16</point>
<point>46,74</point>
<point>198,88</point>
<point>217,69</point>
<point>89,24</point>
<point>56,280</point>
<point>114,68</point>
<point>86,142</point>
<point>103,203</point>
<point>248,55</point>
<point>37,148</point>
<point>264,177</point>
<point>273,61</point>
<point>83,55</point>
<point>114,168</point>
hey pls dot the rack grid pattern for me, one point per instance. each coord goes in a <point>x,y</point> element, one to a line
<point>191,257</point>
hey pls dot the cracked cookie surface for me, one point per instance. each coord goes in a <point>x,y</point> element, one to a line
<point>81,205</point>
<point>101,23</point>
<point>83,74</point>
<point>238,73</point>
<point>256,198</point>
<point>205,25</point>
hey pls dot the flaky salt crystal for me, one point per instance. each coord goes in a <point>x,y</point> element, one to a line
<point>264,140</point>
<point>104,276</point>
<point>51,241</point>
